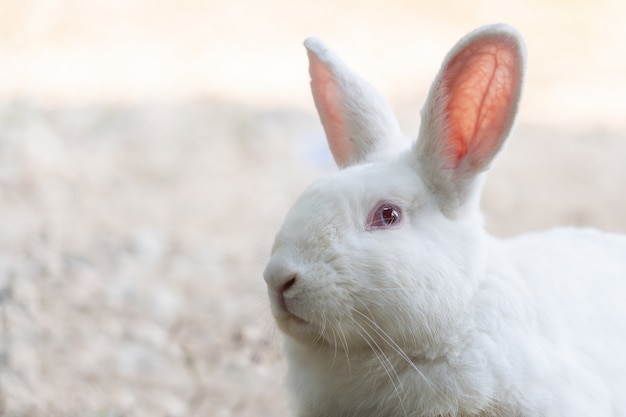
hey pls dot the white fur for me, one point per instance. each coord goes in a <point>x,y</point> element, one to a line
<point>434,317</point>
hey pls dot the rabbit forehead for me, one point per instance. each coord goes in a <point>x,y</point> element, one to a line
<point>365,184</point>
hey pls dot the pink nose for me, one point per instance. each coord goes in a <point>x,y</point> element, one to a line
<point>279,276</point>
<point>287,284</point>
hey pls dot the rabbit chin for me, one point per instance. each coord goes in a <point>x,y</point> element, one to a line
<point>303,332</point>
<point>299,330</point>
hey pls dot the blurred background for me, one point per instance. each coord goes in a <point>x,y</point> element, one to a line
<point>149,150</point>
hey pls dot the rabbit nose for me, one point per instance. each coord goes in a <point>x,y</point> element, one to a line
<point>289,281</point>
<point>279,284</point>
<point>279,277</point>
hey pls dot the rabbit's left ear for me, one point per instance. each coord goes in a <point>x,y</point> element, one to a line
<point>357,120</point>
<point>470,111</point>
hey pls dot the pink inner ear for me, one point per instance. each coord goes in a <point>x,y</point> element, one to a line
<point>481,83</point>
<point>330,102</point>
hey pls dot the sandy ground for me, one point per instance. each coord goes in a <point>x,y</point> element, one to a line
<point>149,150</point>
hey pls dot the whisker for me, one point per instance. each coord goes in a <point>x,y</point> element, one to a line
<point>322,330</point>
<point>384,361</point>
<point>344,343</point>
<point>393,345</point>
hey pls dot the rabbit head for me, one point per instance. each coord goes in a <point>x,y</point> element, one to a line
<point>386,252</point>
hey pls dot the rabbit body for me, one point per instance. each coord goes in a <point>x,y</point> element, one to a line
<point>393,298</point>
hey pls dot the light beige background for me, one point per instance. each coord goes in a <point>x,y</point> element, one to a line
<point>149,150</point>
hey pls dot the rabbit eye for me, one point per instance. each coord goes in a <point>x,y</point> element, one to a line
<point>385,215</point>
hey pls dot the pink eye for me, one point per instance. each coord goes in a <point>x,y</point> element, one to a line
<point>385,215</point>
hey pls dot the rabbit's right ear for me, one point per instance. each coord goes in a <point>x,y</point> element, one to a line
<point>469,112</point>
<point>357,120</point>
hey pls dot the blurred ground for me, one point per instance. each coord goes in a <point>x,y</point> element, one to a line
<point>149,150</point>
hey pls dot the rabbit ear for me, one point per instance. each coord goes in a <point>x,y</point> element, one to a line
<point>357,120</point>
<point>470,110</point>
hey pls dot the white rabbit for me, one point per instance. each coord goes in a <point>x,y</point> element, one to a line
<point>393,298</point>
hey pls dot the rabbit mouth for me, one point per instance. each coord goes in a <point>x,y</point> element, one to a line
<point>296,319</point>
<point>292,325</point>
<point>285,314</point>
<point>288,315</point>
